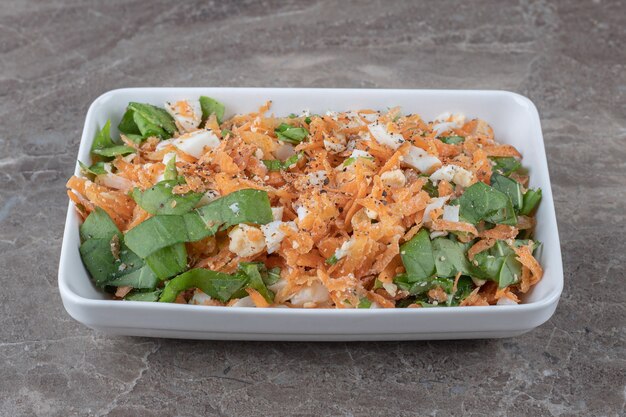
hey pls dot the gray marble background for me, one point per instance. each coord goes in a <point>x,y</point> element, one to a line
<point>568,57</point>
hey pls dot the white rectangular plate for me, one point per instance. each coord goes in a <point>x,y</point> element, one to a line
<point>515,121</point>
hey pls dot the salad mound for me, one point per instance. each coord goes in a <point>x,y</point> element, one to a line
<point>354,209</point>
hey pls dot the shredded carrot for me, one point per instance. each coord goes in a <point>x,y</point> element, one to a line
<point>257,298</point>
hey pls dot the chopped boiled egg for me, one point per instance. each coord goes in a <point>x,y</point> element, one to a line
<point>246,240</point>
<point>274,233</point>
<point>277,213</point>
<point>393,179</point>
<point>384,137</point>
<point>447,121</point>
<point>194,143</point>
<point>421,160</point>
<point>435,203</point>
<point>187,113</point>
<point>453,173</point>
<point>316,294</point>
<point>451,213</point>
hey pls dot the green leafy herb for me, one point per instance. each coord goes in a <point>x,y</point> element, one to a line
<point>452,140</point>
<point>482,202</point>
<point>509,187</point>
<point>159,199</point>
<point>417,257</point>
<point>498,264</point>
<point>98,225</point>
<point>168,261</point>
<point>143,295</point>
<point>364,303</point>
<point>143,278</point>
<point>171,173</point>
<point>211,106</point>
<point>255,280</point>
<point>277,165</point>
<point>114,151</point>
<point>288,133</point>
<point>103,138</point>
<point>243,206</point>
<point>96,169</point>
<point>505,165</point>
<point>226,132</point>
<point>217,285</point>
<point>272,276</point>
<point>332,260</point>
<point>104,146</point>
<point>531,201</point>
<point>146,120</point>
<point>450,258</point>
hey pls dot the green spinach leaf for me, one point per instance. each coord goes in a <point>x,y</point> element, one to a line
<point>211,106</point>
<point>288,133</point>
<point>452,140</point>
<point>159,199</point>
<point>509,187</point>
<point>417,257</point>
<point>168,261</point>
<point>243,206</point>
<point>147,120</point>
<point>217,285</point>
<point>532,198</point>
<point>482,202</point>
<point>450,258</point>
<point>255,280</point>
<point>143,296</point>
<point>505,165</point>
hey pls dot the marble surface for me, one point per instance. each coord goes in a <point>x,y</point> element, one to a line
<point>567,56</point>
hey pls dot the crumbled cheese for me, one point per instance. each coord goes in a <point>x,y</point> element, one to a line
<point>234,208</point>
<point>393,179</point>
<point>382,136</point>
<point>421,160</point>
<point>258,153</point>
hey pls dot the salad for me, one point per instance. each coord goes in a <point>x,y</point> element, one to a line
<point>354,209</point>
